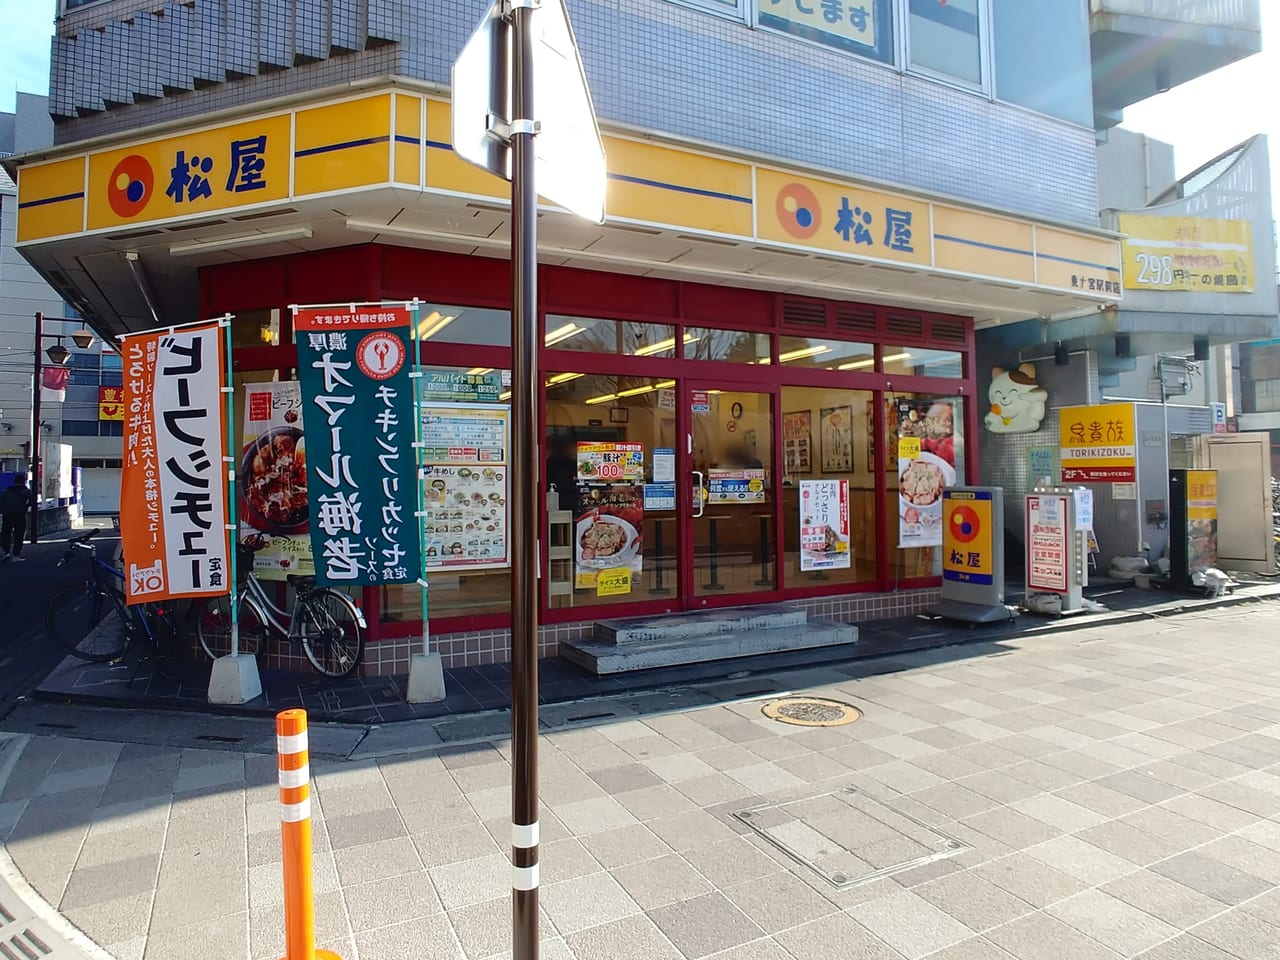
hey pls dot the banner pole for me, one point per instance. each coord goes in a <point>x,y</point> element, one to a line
<point>233,522</point>
<point>417,472</point>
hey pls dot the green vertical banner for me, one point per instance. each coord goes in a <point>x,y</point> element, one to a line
<point>358,414</point>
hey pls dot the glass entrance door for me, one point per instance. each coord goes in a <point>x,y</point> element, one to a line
<point>732,526</point>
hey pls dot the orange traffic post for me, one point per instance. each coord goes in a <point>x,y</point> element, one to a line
<point>295,838</point>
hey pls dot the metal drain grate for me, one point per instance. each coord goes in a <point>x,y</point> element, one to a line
<point>19,938</point>
<point>849,838</point>
<point>811,712</point>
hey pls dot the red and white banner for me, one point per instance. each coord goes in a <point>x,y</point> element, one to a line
<point>53,384</point>
<point>173,495</point>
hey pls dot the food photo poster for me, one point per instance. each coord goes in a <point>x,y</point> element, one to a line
<point>926,466</point>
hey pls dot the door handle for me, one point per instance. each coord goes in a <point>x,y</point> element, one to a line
<point>702,500</point>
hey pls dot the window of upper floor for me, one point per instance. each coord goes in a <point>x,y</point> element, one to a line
<point>1032,54</point>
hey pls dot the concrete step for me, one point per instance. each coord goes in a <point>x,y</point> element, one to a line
<point>604,657</point>
<point>699,624</point>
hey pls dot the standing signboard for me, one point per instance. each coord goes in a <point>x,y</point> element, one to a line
<point>972,556</point>
<point>353,367</point>
<point>272,481</point>
<point>1193,523</point>
<point>824,525</point>
<point>1098,443</point>
<point>173,495</point>
<point>1048,552</point>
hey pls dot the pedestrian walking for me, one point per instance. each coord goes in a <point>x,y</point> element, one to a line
<point>15,503</point>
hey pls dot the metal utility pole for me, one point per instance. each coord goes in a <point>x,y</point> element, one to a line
<point>525,487</point>
<point>521,46</point>
<point>33,456</point>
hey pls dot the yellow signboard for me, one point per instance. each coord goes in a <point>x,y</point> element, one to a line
<point>908,448</point>
<point>613,583</point>
<point>111,403</point>
<point>843,218</point>
<point>1098,443</point>
<point>191,174</point>
<point>386,139</point>
<point>1187,253</point>
<point>968,537</point>
<point>1202,494</point>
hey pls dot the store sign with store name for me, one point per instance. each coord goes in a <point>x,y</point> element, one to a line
<point>1098,443</point>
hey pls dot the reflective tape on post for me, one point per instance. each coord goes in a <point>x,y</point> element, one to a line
<point>293,767</point>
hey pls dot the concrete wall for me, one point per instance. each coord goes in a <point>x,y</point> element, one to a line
<point>1133,169</point>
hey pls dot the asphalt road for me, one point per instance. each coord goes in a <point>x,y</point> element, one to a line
<point>26,656</point>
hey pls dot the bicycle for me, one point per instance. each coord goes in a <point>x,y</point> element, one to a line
<point>78,615</point>
<point>329,625</point>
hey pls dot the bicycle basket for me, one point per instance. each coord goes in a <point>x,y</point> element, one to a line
<point>244,564</point>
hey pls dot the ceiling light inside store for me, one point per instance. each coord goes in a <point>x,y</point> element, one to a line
<point>868,361</point>
<point>476,371</point>
<point>562,378</point>
<point>802,353</point>
<point>433,323</point>
<point>632,392</point>
<point>562,333</point>
<point>662,345</point>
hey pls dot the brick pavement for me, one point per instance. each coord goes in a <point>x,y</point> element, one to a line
<point>1115,791</point>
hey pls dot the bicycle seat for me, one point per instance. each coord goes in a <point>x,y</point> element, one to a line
<point>299,582</point>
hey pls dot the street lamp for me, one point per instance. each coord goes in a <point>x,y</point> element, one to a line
<point>58,355</point>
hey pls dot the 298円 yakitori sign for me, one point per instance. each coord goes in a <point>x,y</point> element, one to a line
<point>173,491</point>
<point>358,415</point>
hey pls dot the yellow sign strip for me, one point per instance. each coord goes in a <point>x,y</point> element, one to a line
<point>51,199</point>
<point>342,146</point>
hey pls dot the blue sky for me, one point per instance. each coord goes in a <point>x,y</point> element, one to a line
<point>1201,119</point>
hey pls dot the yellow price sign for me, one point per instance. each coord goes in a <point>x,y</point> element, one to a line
<point>585,580</point>
<point>908,448</point>
<point>613,583</point>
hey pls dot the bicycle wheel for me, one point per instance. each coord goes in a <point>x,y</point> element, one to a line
<point>213,628</point>
<point>83,621</point>
<point>329,627</point>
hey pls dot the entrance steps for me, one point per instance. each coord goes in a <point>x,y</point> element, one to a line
<point>642,643</point>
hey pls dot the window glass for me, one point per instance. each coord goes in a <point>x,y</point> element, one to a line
<point>945,38</point>
<point>736,346</point>
<point>1042,57</point>
<point>914,494</point>
<point>255,328</point>
<point>827,435</point>
<point>458,591</point>
<point>625,337</point>
<point>441,323</point>
<point>864,27</point>
<point>921,362</point>
<point>730,8</point>
<point>598,525</point>
<point>826,354</point>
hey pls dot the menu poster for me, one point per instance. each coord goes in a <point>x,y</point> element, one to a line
<point>797,442</point>
<point>465,516</point>
<point>607,536</point>
<point>926,466</point>
<point>824,525</point>
<point>735,486</point>
<point>837,439</point>
<point>272,481</point>
<point>466,486</point>
<point>610,462</point>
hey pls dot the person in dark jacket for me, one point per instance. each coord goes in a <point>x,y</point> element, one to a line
<point>15,504</point>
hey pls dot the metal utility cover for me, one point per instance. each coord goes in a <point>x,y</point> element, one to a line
<point>848,837</point>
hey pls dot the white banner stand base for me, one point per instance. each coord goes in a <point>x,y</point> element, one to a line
<point>426,678</point>
<point>235,680</point>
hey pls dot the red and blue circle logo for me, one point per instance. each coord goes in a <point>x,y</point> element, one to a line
<point>965,525</point>
<point>130,186</point>
<point>798,211</point>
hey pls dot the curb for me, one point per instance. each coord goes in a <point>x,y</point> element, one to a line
<point>35,924</point>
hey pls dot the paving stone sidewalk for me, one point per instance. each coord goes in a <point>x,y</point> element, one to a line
<point>1114,792</point>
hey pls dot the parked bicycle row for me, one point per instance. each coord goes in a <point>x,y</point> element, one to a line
<point>92,621</point>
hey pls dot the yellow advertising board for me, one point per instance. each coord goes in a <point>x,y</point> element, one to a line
<point>968,537</point>
<point>192,174</point>
<point>1187,253</point>
<point>613,583</point>
<point>1098,444</point>
<point>1202,494</point>
<point>397,139</point>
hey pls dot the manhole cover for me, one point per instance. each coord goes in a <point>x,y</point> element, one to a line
<point>812,712</point>
<point>849,838</point>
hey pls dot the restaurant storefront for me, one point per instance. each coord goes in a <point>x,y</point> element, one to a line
<point>738,341</point>
<point>726,400</point>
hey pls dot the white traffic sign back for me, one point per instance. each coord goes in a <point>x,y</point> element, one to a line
<point>569,154</point>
